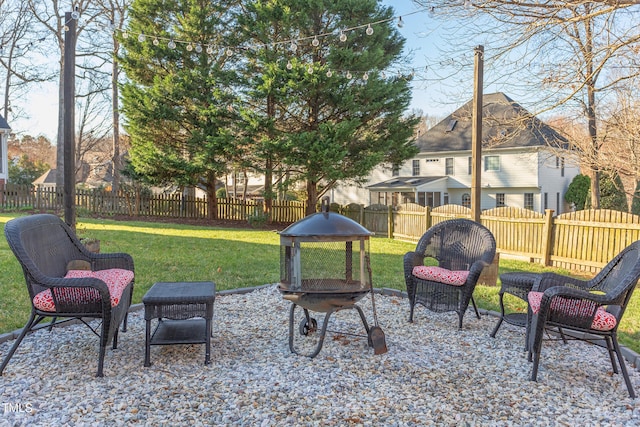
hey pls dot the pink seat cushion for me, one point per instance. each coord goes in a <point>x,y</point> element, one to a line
<point>442,275</point>
<point>116,280</point>
<point>603,321</point>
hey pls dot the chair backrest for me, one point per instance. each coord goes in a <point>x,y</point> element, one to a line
<point>44,245</point>
<point>457,243</point>
<point>618,278</point>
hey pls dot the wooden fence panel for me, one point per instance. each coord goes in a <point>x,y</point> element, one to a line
<point>376,219</point>
<point>589,239</point>
<point>410,221</point>
<point>517,231</point>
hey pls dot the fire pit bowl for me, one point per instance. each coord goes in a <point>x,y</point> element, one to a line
<point>324,267</point>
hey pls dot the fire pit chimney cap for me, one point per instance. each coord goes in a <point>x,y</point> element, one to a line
<point>325,223</point>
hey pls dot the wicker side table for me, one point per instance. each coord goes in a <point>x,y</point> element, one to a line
<point>184,311</point>
<point>519,285</point>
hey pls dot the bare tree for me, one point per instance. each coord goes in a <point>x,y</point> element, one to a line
<point>19,45</point>
<point>560,55</point>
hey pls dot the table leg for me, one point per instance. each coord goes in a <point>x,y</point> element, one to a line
<point>207,354</point>
<point>147,346</point>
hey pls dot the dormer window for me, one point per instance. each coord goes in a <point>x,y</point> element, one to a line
<point>451,125</point>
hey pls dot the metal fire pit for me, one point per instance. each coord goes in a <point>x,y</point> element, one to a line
<point>324,265</point>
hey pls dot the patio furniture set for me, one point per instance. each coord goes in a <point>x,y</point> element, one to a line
<point>65,280</point>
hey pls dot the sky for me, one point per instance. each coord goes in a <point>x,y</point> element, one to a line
<point>422,34</point>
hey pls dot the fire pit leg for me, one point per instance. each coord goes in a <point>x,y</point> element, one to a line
<point>364,322</point>
<point>323,332</point>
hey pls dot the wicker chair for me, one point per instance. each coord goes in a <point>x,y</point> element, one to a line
<point>45,246</point>
<point>461,248</point>
<point>593,308</point>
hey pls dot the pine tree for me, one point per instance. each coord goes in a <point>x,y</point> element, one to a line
<point>178,100</point>
<point>331,108</point>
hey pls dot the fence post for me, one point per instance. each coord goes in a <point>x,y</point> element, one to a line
<point>361,215</point>
<point>546,236</point>
<point>427,217</point>
<point>390,219</point>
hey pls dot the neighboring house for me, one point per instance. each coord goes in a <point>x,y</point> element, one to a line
<point>524,164</point>
<point>4,148</point>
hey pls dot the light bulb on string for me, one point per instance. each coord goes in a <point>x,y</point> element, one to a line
<point>125,35</point>
<point>289,65</point>
<point>209,50</point>
<point>310,69</point>
<point>293,47</point>
<point>229,52</point>
<point>369,30</point>
<point>315,42</point>
<point>365,76</point>
<point>349,74</point>
<point>329,73</point>
<point>141,38</point>
<point>189,47</point>
<point>199,48</point>
<point>400,22</point>
<point>156,42</point>
<point>432,11</point>
<point>171,44</point>
<point>75,14</point>
<point>384,75</point>
<point>343,36</point>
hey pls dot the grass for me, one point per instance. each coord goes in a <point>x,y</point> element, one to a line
<point>237,258</point>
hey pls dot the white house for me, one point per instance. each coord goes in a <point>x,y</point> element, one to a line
<point>524,163</point>
<point>4,147</point>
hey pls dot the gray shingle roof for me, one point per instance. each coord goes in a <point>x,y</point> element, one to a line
<point>3,123</point>
<point>505,124</point>
<point>399,183</point>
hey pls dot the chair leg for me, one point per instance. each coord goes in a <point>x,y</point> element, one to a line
<point>103,349</point>
<point>30,323</point>
<point>611,350</point>
<point>475,307</point>
<point>623,367</point>
<point>411,308</point>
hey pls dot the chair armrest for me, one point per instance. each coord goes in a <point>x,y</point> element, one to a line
<point>549,280</point>
<point>412,259</point>
<point>65,299</point>
<point>111,260</point>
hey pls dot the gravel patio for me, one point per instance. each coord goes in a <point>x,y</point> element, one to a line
<point>433,374</point>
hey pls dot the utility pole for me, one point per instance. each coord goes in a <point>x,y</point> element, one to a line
<point>69,93</point>
<point>476,135</point>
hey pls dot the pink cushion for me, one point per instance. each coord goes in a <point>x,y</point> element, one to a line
<point>116,280</point>
<point>442,275</point>
<point>603,321</point>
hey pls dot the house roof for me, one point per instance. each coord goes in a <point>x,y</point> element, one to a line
<point>3,124</point>
<point>407,183</point>
<point>505,124</point>
<point>49,177</point>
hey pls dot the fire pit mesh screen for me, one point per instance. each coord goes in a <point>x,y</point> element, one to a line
<point>325,266</point>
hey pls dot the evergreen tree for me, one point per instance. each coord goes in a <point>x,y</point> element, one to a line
<point>578,192</point>
<point>612,195</point>
<point>329,108</point>
<point>635,204</point>
<point>178,100</point>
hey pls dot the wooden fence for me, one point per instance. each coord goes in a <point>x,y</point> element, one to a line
<point>149,205</point>
<point>580,241</point>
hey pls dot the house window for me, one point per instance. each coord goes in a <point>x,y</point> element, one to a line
<point>558,203</point>
<point>500,200</point>
<point>545,201</point>
<point>562,166</point>
<point>416,168</point>
<point>528,201</point>
<point>395,171</point>
<point>445,199</point>
<point>491,163</point>
<point>451,125</point>
<point>466,200</point>
<point>470,165</point>
<point>449,166</point>
<point>429,198</point>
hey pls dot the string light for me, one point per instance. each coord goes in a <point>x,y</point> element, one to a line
<point>369,30</point>
<point>171,44</point>
<point>141,38</point>
<point>315,41</point>
<point>343,36</point>
<point>289,65</point>
<point>400,22</point>
<point>156,42</point>
<point>75,14</point>
<point>329,73</point>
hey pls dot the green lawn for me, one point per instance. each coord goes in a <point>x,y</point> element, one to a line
<point>234,258</point>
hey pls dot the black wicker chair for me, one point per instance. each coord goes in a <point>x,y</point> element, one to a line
<point>460,246</point>
<point>45,246</point>
<point>593,308</point>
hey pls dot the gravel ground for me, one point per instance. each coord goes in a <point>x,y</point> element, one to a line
<point>433,374</point>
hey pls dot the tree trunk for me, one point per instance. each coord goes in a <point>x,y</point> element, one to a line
<point>312,196</point>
